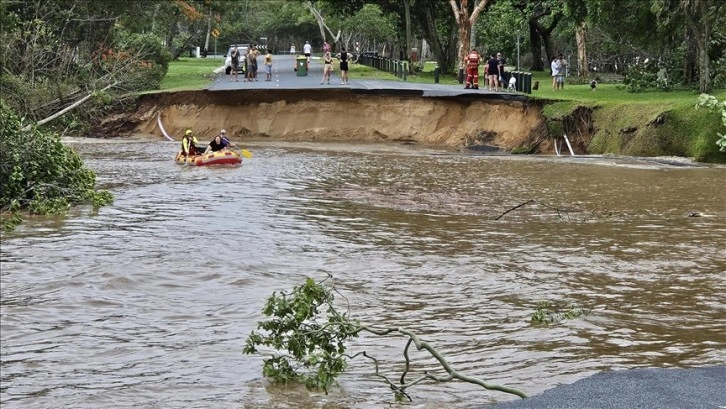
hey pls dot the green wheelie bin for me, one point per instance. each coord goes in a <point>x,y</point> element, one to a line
<point>301,65</point>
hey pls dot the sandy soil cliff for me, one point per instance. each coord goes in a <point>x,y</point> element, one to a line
<point>339,115</point>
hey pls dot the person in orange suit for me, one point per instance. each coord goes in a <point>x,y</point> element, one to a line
<point>472,61</point>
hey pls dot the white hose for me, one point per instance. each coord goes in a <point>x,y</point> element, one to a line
<point>163,132</point>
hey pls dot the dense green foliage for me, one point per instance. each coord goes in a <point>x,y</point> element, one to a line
<point>39,174</point>
<point>719,108</point>
<point>57,52</point>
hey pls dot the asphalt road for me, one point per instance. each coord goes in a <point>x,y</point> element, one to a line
<point>645,388</point>
<point>284,77</point>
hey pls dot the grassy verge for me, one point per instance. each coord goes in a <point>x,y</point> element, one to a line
<point>190,74</point>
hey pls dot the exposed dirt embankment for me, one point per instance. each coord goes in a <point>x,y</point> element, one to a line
<point>341,115</point>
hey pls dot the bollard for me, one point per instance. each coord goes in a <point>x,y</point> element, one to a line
<point>528,82</point>
<point>436,75</point>
<point>405,70</point>
<point>520,81</point>
<point>461,76</point>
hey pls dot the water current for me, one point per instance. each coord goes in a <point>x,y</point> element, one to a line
<point>147,303</point>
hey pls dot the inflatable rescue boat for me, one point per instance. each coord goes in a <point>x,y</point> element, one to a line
<point>223,157</point>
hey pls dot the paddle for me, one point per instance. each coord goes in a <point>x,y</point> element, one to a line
<point>244,152</point>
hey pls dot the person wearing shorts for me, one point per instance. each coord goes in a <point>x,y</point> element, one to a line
<point>343,66</point>
<point>235,63</point>
<point>268,65</point>
<point>561,72</point>
<point>307,52</point>
<point>327,67</point>
<point>493,73</point>
<point>554,67</point>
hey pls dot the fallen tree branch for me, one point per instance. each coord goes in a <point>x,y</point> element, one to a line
<point>68,108</point>
<point>309,335</point>
<point>515,208</point>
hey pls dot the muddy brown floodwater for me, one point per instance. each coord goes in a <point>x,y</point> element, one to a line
<point>147,303</point>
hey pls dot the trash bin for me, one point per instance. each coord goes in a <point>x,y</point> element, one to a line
<point>302,66</point>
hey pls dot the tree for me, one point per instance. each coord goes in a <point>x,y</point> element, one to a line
<point>307,334</point>
<point>464,21</point>
<point>577,11</point>
<point>700,17</point>
<point>539,34</point>
<point>58,54</point>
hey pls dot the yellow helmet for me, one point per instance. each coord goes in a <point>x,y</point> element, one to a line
<point>188,132</point>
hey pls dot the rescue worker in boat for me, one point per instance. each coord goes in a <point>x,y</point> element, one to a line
<point>189,144</point>
<point>472,61</point>
<point>217,144</point>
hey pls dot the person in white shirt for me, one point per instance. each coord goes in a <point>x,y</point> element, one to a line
<point>555,67</point>
<point>307,50</point>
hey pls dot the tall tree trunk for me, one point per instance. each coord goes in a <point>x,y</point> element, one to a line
<point>209,30</point>
<point>318,18</point>
<point>535,47</point>
<point>407,13</point>
<point>700,21</point>
<point>581,38</point>
<point>465,23</point>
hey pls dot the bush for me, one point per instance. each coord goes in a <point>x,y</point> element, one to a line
<point>152,59</point>
<point>39,174</point>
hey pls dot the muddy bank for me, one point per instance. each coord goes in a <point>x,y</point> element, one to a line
<point>340,115</point>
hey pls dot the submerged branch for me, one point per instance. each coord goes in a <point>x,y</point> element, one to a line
<point>515,208</point>
<point>452,373</point>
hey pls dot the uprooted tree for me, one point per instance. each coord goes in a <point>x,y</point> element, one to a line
<point>308,335</point>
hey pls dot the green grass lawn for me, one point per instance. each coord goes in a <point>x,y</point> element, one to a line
<point>604,93</point>
<point>190,73</point>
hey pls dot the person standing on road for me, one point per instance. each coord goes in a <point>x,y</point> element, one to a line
<point>493,73</point>
<point>327,67</point>
<point>268,65</point>
<point>307,50</point>
<point>250,70</point>
<point>255,54</point>
<point>472,61</point>
<point>235,63</point>
<point>292,49</point>
<point>343,66</point>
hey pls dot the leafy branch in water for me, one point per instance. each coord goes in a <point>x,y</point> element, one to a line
<point>547,313</point>
<point>307,336</point>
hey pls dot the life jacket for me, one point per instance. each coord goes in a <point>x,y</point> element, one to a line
<point>473,60</point>
<point>189,145</point>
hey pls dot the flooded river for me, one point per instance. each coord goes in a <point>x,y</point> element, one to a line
<point>147,303</point>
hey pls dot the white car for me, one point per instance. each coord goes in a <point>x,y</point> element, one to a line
<point>242,48</point>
